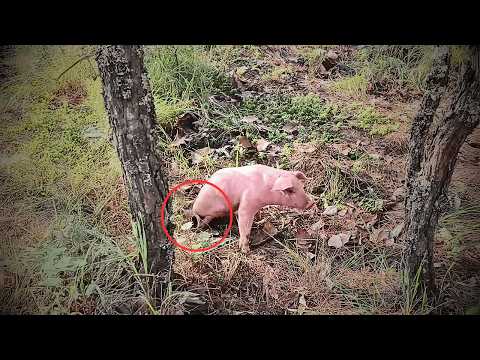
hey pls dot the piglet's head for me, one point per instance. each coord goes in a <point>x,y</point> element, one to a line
<point>290,185</point>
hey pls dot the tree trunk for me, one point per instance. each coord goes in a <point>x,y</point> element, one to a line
<point>130,108</point>
<point>433,153</point>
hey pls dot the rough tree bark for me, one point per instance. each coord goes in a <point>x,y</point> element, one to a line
<point>130,108</point>
<point>433,151</point>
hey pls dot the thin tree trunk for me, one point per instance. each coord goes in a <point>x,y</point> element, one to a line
<point>130,108</point>
<point>432,156</point>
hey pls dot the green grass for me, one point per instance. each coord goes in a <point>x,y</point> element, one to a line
<point>390,67</point>
<point>76,263</point>
<point>393,67</point>
<point>51,137</point>
<point>183,73</point>
<point>336,187</point>
<point>277,73</point>
<point>64,164</point>
<point>181,78</point>
<point>368,119</point>
<point>60,162</point>
<point>307,111</point>
<point>355,86</point>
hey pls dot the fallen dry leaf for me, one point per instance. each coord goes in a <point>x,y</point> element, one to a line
<point>302,234</point>
<point>301,301</point>
<point>262,144</point>
<point>337,241</point>
<point>389,242</point>
<point>186,120</point>
<point>379,235</point>
<point>243,140</point>
<point>198,155</point>
<point>290,128</point>
<point>190,297</point>
<point>187,226</point>
<point>330,210</point>
<point>241,70</point>
<point>342,213</point>
<point>249,119</point>
<point>224,151</point>
<point>179,141</point>
<point>370,220</point>
<point>317,226</point>
<point>397,230</point>
<point>270,229</point>
<point>308,148</point>
<point>343,149</point>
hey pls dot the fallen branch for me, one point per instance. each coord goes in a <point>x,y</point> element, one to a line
<point>84,57</point>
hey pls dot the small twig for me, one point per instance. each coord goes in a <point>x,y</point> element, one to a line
<point>87,56</point>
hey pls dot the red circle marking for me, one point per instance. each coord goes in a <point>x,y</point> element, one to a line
<point>162,215</point>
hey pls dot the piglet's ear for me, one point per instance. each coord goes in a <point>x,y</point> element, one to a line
<point>282,183</point>
<point>300,175</point>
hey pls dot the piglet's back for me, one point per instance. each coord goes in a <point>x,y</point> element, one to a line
<point>234,182</point>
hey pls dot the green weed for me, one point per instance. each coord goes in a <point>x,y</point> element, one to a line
<point>182,73</point>
<point>355,86</point>
<point>373,122</point>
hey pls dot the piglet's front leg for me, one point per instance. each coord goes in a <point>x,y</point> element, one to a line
<point>245,222</point>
